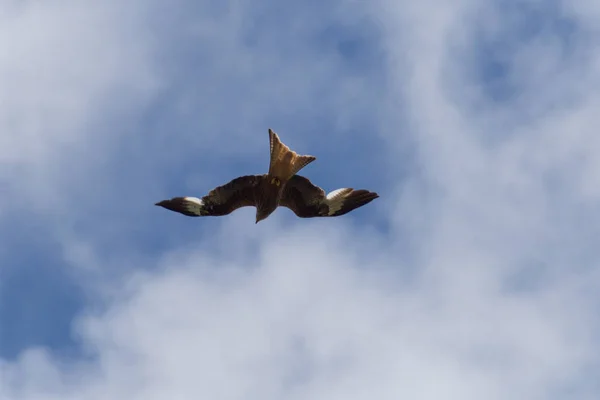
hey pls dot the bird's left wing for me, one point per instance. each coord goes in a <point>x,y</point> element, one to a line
<point>307,200</point>
<point>222,200</point>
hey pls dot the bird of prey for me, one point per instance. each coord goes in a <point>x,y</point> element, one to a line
<point>281,186</point>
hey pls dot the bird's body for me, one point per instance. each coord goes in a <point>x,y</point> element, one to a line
<point>281,186</point>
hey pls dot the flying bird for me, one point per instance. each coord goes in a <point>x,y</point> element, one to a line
<point>281,186</point>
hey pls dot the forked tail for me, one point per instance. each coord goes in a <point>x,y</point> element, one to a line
<point>285,163</point>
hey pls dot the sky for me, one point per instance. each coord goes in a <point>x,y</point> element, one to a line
<point>474,275</point>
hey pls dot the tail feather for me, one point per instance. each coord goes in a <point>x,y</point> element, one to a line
<point>285,162</point>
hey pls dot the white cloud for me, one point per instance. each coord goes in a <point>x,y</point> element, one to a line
<point>494,296</point>
<point>319,325</point>
<point>64,67</point>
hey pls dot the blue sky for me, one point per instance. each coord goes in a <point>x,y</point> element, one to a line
<point>476,269</point>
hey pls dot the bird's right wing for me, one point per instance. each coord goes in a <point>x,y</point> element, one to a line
<point>307,200</point>
<point>222,200</point>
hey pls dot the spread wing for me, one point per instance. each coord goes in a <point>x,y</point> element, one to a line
<point>222,200</point>
<point>307,200</point>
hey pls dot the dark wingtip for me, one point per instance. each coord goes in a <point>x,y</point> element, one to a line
<point>356,199</point>
<point>176,204</point>
<point>365,194</point>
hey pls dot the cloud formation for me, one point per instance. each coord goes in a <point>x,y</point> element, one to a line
<point>473,276</point>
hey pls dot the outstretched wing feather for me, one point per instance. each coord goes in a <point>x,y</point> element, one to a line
<point>307,200</point>
<point>351,201</point>
<point>302,197</point>
<point>225,199</point>
<point>222,200</point>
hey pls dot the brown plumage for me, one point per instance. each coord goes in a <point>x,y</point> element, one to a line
<point>281,186</point>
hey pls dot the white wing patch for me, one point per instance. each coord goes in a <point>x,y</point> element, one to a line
<point>193,205</point>
<point>335,200</point>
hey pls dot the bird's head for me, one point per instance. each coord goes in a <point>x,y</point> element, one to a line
<point>262,214</point>
<point>264,211</point>
<point>269,198</point>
